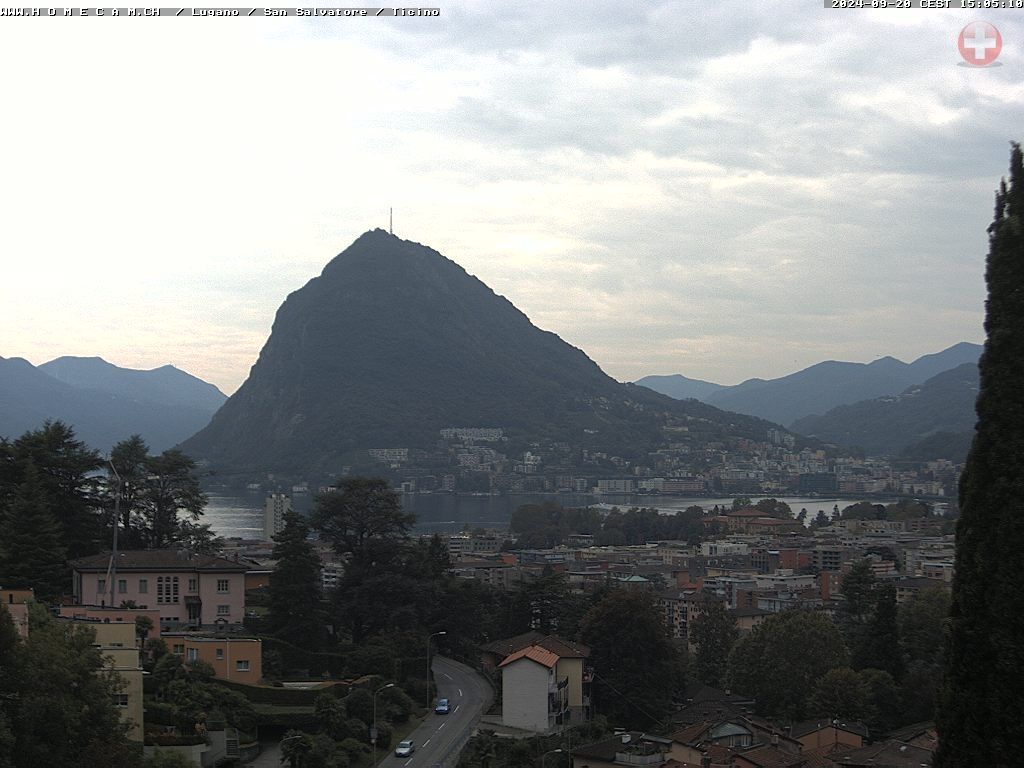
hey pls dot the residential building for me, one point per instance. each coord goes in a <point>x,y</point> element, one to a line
<point>239,659</point>
<point>16,601</point>
<point>118,646</point>
<point>276,507</point>
<point>187,589</point>
<point>545,680</point>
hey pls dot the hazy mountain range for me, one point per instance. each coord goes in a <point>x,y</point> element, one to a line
<point>103,402</point>
<point>930,420</point>
<point>817,389</point>
<point>393,342</point>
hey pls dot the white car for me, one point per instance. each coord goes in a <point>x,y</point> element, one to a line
<point>404,748</point>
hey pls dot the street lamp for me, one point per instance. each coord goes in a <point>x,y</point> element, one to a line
<point>549,752</point>
<point>289,738</point>
<point>433,634</point>
<point>373,731</point>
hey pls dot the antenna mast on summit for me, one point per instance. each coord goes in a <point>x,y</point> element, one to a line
<point>391,221</point>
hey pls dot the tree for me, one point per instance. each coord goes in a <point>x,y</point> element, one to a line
<point>362,517</point>
<point>713,635</point>
<point>922,625</point>
<point>636,665</point>
<point>774,508</point>
<point>879,646</point>
<point>781,660</point>
<point>296,611</point>
<point>160,498</point>
<point>67,477</point>
<point>843,694</point>
<point>32,551</point>
<point>64,710</point>
<point>981,717</point>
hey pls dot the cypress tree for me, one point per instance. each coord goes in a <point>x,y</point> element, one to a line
<point>296,612</point>
<point>981,711</point>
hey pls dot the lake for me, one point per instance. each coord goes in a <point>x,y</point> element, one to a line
<point>242,515</point>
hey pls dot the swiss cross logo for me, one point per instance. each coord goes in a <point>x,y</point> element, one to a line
<point>980,43</point>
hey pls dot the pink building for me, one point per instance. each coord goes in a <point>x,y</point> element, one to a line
<point>189,590</point>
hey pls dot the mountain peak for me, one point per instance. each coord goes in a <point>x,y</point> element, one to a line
<point>394,342</point>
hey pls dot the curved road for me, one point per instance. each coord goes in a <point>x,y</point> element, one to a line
<point>469,695</point>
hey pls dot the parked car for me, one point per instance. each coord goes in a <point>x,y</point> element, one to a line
<point>404,748</point>
<point>442,707</point>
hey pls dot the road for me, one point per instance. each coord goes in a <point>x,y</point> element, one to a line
<point>469,696</point>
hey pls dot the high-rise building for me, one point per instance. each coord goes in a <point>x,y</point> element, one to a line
<point>273,514</point>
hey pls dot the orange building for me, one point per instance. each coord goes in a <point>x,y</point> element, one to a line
<point>232,658</point>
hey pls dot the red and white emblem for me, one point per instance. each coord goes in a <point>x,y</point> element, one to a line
<point>980,43</point>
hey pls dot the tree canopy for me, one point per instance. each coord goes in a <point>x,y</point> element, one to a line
<point>981,719</point>
<point>780,662</point>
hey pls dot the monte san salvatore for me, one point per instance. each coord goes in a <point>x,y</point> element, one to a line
<point>393,343</point>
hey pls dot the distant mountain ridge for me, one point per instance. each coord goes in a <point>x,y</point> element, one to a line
<point>932,420</point>
<point>680,387</point>
<point>394,342</point>
<point>826,385</point>
<point>103,402</point>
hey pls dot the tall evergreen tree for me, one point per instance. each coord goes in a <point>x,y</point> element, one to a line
<point>981,713</point>
<point>713,635</point>
<point>637,664</point>
<point>296,613</point>
<point>32,550</point>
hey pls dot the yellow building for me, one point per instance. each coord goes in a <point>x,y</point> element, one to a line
<point>117,644</point>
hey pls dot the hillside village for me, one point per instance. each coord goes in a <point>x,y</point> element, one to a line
<point>207,611</point>
<point>478,459</point>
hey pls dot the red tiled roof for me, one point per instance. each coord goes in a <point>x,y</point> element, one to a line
<point>535,653</point>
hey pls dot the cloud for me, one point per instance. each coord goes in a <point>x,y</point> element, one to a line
<point>738,193</point>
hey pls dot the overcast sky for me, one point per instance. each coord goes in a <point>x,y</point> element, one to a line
<point>721,190</point>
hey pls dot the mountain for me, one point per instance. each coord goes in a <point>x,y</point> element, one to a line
<point>679,386</point>
<point>829,384</point>
<point>393,342</point>
<point>105,404</point>
<point>166,385</point>
<point>930,420</point>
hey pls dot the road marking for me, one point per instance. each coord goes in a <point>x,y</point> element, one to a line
<point>456,708</point>
<point>444,675</point>
<point>442,725</point>
<point>426,742</point>
<point>408,761</point>
<point>460,691</point>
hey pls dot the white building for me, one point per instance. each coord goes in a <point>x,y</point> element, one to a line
<point>277,505</point>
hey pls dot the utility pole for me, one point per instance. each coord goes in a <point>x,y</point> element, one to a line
<point>112,569</point>
<point>391,221</point>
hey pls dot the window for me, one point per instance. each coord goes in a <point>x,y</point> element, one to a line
<point>222,586</point>
<point>122,586</point>
<point>174,589</point>
<point>223,610</point>
<point>178,649</point>
<point>192,585</point>
<point>220,654</point>
<point>193,654</point>
<point>101,586</point>
<point>120,699</point>
<point>242,665</point>
<point>143,586</point>
<point>160,587</point>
